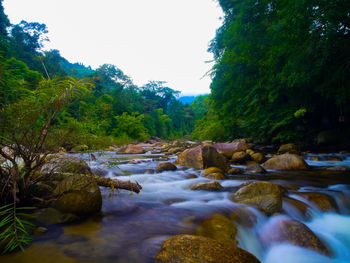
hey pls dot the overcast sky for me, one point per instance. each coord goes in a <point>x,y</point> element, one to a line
<point>148,39</point>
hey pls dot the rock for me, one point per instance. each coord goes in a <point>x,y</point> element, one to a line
<point>333,158</point>
<point>286,161</point>
<point>227,149</point>
<point>243,216</point>
<point>288,148</point>
<point>255,169</point>
<point>54,216</point>
<point>339,168</point>
<point>174,150</point>
<point>218,227</point>
<point>39,231</point>
<point>240,157</point>
<point>191,176</point>
<point>40,189</point>
<point>202,157</point>
<point>283,229</point>
<point>166,167</point>
<point>299,206</point>
<point>79,148</point>
<point>98,171</point>
<point>78,194</point>
<point>315,158</point>
<point>66,164</point>
<point>258,157</point>
<point>131,149</point>
<point>322,201</point>
<point>191,249</point>
<point>264,196</point>
<point>214,173</point>
<point>234,170</point>
<point>250,152</point>
<point>207,186</point>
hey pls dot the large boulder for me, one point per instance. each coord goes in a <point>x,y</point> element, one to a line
<point>191,249</point>
<point>78,194</point>
<point>131,149</point>
<point>228,149</point>
<point>202,157</point>
<point>66,164</point>
<point>286,161</point>
<point>166,167</point>
<point>264,196</point>
<point>218,227</point>
<point>283,229</point>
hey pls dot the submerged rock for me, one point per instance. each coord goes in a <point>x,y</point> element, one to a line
<point>218,227</point>
<point>286,162</point>
<point>207,186</point>
<point>202,157</point>
<point>166,167</point>
<point>78,194</point>
<point>284,229</point>
<point>54,216</point>
<point>339,168</point>
<point>264,196</point>
<point>192,249</point>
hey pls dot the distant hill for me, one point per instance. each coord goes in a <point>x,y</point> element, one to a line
<point>187,99</point>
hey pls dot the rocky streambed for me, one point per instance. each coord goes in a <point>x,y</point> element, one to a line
<point>242,210</point>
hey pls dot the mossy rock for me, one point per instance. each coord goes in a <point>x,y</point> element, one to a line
<point>66,164</point>
<point>218,227</point>
<point>207,186</point>
<point>265,196</point>
<point>194,249</point>
<point>78,194</point>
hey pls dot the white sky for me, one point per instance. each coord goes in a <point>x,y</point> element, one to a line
<point>148,39</point>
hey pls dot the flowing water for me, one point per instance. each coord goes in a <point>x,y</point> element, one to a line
<point>131,227</point>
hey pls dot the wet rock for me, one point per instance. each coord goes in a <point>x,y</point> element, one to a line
<point>191,176</point>
<point>166,167</point>
<point>190,249</point>
<point>288,148</point>
<point>255,169</point>
<point>322,201</point>
<point>250,152</point>
<point>339,168</point>
<point>79,148</point>
<point>218,227</point>
<point>264,196</point>
<point>315,158</point>
<point>258,157</point>
<point>240,157</point>
<point>286,162</point>
<point>234,170</point>
<point>54,216</point>
<point>299,206</point>
<point>283,229</point>
<point>227,149</point>
<point>207,186</point>
<point>78,194</point>
<point>202,157</point>
<point>131,149</point>
<point>243,216</point>
<point>40,189</point>
<point>66,164</point>
<point>333,158</point>
<point>214,173</point>
<point>150,171</point>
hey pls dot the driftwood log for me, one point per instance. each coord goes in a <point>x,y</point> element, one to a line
<point>106,182</point>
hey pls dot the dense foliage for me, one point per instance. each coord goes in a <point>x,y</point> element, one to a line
<point>281,69</point>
